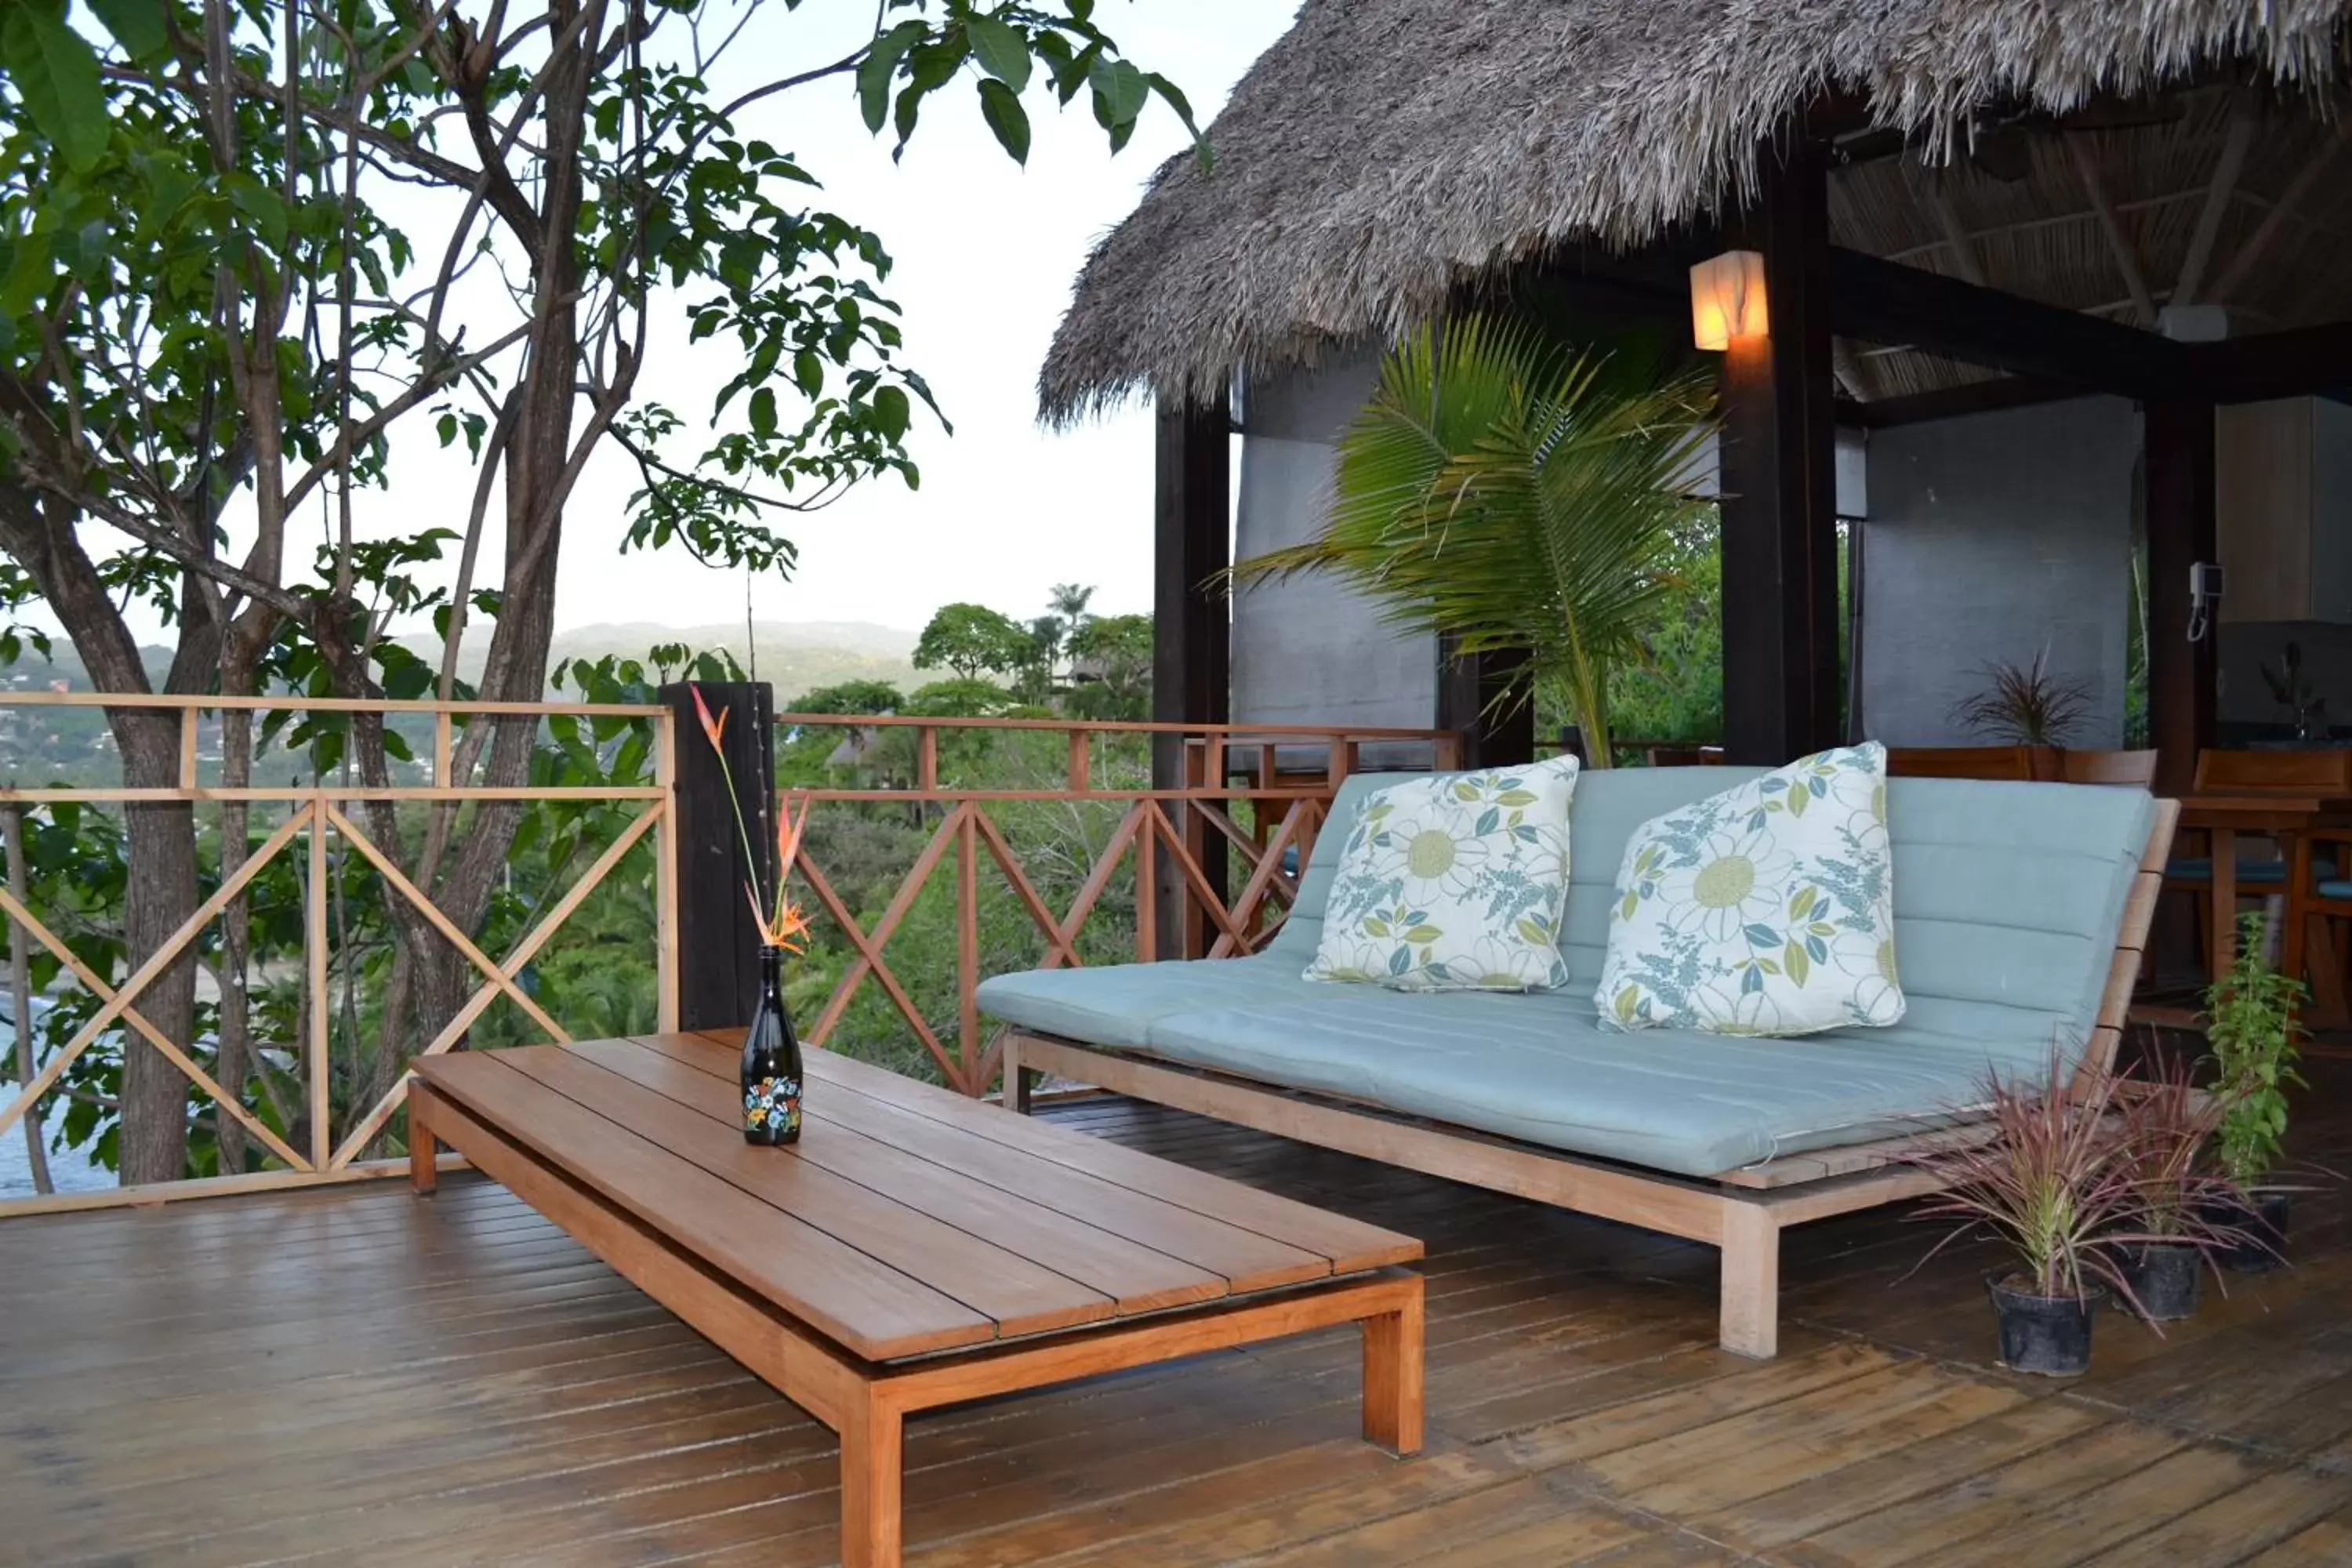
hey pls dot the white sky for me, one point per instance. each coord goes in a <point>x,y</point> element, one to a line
<point>985,254</point>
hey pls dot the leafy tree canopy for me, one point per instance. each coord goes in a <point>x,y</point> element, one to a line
<point>971,640</point>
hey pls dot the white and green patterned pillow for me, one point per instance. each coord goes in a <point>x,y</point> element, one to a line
<point>1453,882</point>
<point>1767,909</point>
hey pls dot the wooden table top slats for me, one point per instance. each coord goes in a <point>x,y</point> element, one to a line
<point>844,1293</point>
<point>1353,1248</point>
<point>908,1220</point>
<point>1018,1295</point>
<point>1131,1277</point>
<point>1242,1259</point>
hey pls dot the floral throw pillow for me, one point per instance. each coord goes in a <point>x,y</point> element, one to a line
<point>1767,909</point>
<point>1453,882</point>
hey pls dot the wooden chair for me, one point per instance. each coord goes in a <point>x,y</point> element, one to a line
<point>2012,763</point>
<point>2129,768</point>
<point>1681,756</point>
<point>2319,773</point>
<point>2326,774</point>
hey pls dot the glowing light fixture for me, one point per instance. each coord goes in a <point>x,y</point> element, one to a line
<point>1727,300</point>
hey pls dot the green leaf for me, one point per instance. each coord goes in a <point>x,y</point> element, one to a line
<point>137,25</point>
<point>1001,50</point>
<point>1004,115</point>
<point>880,64</point>
<point>1121,92</point>
<point>56,73</point>
<point>891,411</point>
<point>763,413</point>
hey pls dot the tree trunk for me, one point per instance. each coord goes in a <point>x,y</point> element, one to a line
<point>537,456</point>
<point>159,895</point>
<point>232,1064</point>
<point>161,845</point>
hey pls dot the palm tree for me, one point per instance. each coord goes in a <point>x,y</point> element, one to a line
<point>1514,495</point>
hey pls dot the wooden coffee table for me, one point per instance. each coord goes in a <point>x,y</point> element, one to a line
<point>915,1249</point>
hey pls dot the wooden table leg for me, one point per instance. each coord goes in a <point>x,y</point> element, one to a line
<point>872,1455</point>
<point>2294,924</point>
<point>423,1168</point>
<point>1392,1376</point>
<point>2225,899</point>
<point>2329,1006</point>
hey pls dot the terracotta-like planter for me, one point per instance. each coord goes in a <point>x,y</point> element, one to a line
<point>2049,1336</point>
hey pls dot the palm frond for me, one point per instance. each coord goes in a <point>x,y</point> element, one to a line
<point>1505,492</point>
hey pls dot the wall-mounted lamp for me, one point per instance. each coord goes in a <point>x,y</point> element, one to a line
<point>1727,300</point>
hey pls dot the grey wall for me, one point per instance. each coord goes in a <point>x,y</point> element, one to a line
<point>1991,537</point>
<point>1309,651</point>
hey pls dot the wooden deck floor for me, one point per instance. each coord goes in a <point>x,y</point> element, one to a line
<point>357,1376</point>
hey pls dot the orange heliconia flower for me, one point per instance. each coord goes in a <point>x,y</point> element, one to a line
<point>712,729</point>
<point>788,837</point>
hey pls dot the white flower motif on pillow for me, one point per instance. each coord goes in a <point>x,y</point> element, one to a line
<point>1453,882</point>
<point>1767,909</point>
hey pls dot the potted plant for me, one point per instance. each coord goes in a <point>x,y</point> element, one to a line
<point>2251,1027</point>
<point>2048,1176</point>
<point>2166,1134</point>
<point>2024,705</point>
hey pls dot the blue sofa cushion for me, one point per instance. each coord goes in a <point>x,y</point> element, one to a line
<point>2008,900</point>
<point>1540,1068</point>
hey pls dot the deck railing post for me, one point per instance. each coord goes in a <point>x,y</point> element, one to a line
<point>718,944</point>
<point>665,879</point>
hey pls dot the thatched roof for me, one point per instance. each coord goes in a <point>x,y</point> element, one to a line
<point>1385,152</point>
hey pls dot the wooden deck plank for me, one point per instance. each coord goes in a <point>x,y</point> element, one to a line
<point>448,1380</point>
<point>873,1309</point>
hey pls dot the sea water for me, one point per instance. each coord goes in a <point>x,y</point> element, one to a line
<point>68,1171</point>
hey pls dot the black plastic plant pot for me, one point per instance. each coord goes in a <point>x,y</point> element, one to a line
<point>2264,1222</point>
<point>2049,1336</point>
<point>2167,1279</point>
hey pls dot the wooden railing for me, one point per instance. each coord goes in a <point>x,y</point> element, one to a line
<point>1203,866</point>
<point>1210,872</point>
<point>316,816</point>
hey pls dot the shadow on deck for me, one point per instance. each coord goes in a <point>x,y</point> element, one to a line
<point>355,1376</point>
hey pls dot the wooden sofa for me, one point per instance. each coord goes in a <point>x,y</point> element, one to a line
<point>1246,1041</point>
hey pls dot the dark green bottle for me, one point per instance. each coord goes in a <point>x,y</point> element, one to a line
<point>772,1062</point>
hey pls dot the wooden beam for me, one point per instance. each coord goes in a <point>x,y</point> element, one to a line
<point>1192,614</point>
<point>2307,362</point>
<point>1953,402</point>
<point>2245,118</point>
<point>717,945</point>
<point>1780,480</point>
<point>1965,260</point>
<point>2259,242</point>
<point>2086,165</point>
<point>2178,438</point>
<point>1883,301</point>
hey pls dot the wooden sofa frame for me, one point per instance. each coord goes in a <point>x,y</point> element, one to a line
<point>1741,1211</point>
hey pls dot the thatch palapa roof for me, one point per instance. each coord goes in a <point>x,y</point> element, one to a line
<point>1384,152</point>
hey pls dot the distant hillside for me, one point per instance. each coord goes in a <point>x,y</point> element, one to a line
<point>793,655</point>
<point>72,746</point>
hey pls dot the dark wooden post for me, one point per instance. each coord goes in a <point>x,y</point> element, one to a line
<point>2177,438</point>
<point>1780,479</point>
<point>718,944</point>
<point>1467,686</point>
<point>1191,629</point>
